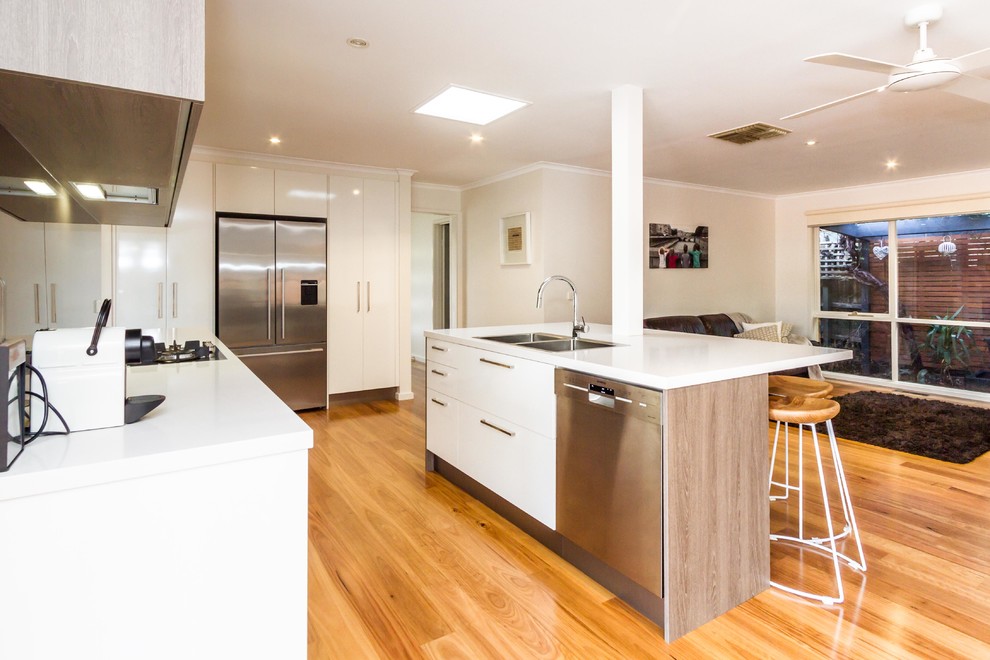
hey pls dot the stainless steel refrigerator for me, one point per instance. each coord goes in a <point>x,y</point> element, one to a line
<point>272,303</point>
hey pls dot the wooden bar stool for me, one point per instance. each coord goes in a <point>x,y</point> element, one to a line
<point>798,386</point>
<point>807,413</point>
<point>790,386</point>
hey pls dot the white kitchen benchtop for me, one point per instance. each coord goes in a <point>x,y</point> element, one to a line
<point>215,412</point>
<point>656,359</point>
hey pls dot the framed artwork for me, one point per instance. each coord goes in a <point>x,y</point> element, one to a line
<point>678,248</point>
<point>515,239</point>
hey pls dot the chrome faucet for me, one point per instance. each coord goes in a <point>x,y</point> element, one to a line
<point>577,327</point>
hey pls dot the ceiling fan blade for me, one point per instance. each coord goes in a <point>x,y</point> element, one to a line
<point>970,87</point>
<point>972,61</point>
<point>853,62</point>
<point>831,103</point>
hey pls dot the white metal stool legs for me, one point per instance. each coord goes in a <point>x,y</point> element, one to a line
<point>824,544</point>
<point>786,484</point>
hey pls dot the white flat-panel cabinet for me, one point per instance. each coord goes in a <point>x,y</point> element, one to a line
<point>73,263</point>
<point>493,417</point>
<point>139,295</point>
<point>163,278</point>
<point>245,189</point>
<point>191,257</point>
<point>52,274</point>
<point>301,194</point>
<point>362,291</point>
<point>22,268</point>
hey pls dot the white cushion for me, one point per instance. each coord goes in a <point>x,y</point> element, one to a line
<point>756,326</point>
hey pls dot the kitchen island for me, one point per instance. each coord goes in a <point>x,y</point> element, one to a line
<point>491,429</point>
<point>183,535</point>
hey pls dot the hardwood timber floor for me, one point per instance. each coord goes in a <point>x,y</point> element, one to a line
<point>402,564</point>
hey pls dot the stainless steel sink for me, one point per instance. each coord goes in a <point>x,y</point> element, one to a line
<point>566,344</point>
<point>524,337</point>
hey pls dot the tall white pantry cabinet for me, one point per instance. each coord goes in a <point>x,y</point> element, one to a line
<point>163,278</point>
<point>362,297</point>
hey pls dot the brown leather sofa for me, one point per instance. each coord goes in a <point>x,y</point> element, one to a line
<point>706,324</point>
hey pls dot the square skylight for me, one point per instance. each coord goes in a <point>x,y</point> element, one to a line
<point>467,105</point>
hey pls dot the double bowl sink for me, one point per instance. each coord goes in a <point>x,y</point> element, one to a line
<point>548,342</point>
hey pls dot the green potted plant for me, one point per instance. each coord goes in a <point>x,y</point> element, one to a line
<point>949,344</point>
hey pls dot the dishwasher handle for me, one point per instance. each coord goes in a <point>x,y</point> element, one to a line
<point>619,398</point>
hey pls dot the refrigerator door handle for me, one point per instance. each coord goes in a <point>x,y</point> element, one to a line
<point>369,295</point>
<point>161,286</point>
<point>268,304</point>
<point>358,310</point>
<point>283,303</point>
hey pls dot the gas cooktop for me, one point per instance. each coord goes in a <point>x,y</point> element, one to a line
<point>191,351</point>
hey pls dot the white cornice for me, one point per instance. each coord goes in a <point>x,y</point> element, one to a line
<point>251,158</point>
<point>587,171</point>
<point>436,186</point>
<point>886,184</point>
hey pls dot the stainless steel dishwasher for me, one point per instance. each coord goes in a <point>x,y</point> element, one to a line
<point>609,480</point>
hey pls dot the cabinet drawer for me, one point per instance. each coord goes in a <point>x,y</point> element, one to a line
<point>511,460</point>
<point>444,352</point>
<point>441,425</point>
<point>509,387</point>
<point>442,378</point>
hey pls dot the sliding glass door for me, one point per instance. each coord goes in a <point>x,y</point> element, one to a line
<point>911,298</point>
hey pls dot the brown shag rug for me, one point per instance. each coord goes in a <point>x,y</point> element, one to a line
<point>946,431</point>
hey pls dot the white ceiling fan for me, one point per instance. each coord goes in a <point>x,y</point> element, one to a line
<point>925,71</point>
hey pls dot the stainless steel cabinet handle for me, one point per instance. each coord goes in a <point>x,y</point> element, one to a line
<point>358,310</point>
<point>511,434</point>
<point>268,304</point>
<point>175,300</point>
<point>161,292</point>
<point>439,373</point>
<point>497,364</point>
<point>54,310</point>
<point>37,304</point>
<point>439,403</point>
<point>275,353</point>
<point>369,296</point>
<point>439,348</point>
<point>283,303</point>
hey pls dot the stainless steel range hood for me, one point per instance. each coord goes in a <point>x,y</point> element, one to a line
<point>133,145</point>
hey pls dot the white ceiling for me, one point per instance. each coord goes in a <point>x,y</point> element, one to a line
<point>284,68</point>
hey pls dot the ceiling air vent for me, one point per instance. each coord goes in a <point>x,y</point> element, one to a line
<point>750,133</point>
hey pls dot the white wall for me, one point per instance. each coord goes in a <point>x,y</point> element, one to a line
<point>436,198</point>
<point>571,220</point>
<point>794,257</point>
<point>496,294</point>
<point>739,277</point>
<point>577,212</point>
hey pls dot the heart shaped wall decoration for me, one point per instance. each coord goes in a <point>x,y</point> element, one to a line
<point>881,251</point>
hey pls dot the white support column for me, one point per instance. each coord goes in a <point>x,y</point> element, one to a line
<point>404,350</point>
<point>627,210</point>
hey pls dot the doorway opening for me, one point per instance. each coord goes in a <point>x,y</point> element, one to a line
<point>433,277</point>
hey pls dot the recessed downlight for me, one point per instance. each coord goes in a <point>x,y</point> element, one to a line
<point>275,139</point>
<point>468,105</point>
<point>891,164</point>
<point>357,42</point>
<point>477,139</point>
<point>811,143</point>
<point>40,188</point>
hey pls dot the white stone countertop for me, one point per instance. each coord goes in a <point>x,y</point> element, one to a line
<point>215,412</point>
<point>657,358</point>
